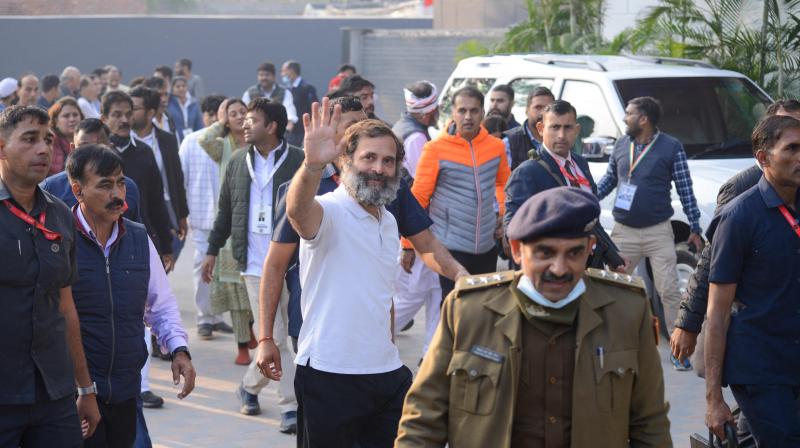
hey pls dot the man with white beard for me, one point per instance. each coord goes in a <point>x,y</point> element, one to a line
<point>350,382</point>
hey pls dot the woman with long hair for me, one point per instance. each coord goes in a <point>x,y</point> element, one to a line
<point>65,116</point>
<point>228,293</point>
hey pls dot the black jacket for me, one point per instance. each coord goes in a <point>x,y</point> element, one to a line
<point>531,178</point>
<point>140,165</point>
<point>695,299</point>
<point>233,209</point>
<point>520,145</point>
<point>168,145</point>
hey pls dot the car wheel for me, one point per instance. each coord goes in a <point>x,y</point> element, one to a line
<point>687,261</point>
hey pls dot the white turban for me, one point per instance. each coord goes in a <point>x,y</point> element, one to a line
<point>415,105</point>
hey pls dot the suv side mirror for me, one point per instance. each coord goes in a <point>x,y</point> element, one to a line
<point>597,148</point>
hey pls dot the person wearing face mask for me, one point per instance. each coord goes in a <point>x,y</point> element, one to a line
<point>552,355</point>
<point>303,95</point>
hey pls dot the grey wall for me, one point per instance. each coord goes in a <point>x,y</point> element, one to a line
<point>225,50</point>
<point>393,58</point>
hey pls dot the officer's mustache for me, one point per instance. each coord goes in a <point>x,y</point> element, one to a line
<point>548,276</point>
<point>115,203</point>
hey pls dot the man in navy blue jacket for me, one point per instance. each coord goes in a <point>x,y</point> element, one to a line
<point>554,166</point>
<point>121,287</point>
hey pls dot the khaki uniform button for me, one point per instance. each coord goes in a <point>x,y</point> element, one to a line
<point>473,373</point>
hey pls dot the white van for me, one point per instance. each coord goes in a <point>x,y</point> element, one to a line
<point>711,111</point>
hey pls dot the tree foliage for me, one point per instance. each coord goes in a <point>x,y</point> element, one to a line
<point>760,38</point>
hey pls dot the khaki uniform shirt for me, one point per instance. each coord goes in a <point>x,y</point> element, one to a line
<point>465,394</point>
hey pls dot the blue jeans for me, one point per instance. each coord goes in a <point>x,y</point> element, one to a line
<point>142,435</point>
<point>771,411</point>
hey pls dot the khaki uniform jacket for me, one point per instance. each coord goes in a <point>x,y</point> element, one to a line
<point>468,400</point>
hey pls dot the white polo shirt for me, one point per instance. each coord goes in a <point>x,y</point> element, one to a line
<point>347,273</point>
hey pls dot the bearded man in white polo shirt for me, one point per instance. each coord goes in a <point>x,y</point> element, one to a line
<point>350,382</point>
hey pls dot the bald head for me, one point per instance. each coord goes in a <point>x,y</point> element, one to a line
<point>71,77</point>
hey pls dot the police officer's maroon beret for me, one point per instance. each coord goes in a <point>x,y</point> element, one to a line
<point>563,212</point>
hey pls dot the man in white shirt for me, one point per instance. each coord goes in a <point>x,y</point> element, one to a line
<point>350,382</point>
<point>246,211</point>
<point>201,182</point>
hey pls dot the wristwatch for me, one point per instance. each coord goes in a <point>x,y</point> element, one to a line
<point>87,390</point>
<point>181,349</point>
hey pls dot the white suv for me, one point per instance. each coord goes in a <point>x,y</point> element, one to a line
<point>711,111</point>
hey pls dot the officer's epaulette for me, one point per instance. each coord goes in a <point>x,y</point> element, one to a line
<point>476,282</point>
<point>631,282</point>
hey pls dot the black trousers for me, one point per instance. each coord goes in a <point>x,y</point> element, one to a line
<point>117,428</point>
<point>772,413</point>
<point>45,424</point>
<point>338,410</point>
<point>473,263</point>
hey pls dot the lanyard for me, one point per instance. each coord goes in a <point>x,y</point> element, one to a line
<point>635,163</point>
<point>790,219</point>
<point>270,175</point>
<point>49,235</point>
<point>577,179</point>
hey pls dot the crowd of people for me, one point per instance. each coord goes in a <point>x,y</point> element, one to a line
<point>322,231</point>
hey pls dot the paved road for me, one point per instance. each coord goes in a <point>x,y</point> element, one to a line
<point>210,418</point>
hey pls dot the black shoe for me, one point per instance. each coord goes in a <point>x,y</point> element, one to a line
<point>204,331</point>
<point>249,402</point>
<point>288,423</point>
<point>151,400</point>
<point>408,326</point>
<point>222,327</point>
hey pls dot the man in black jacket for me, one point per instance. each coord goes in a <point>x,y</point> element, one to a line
<point>140,165</point>
<point>522,139</point>
<point>303,95</point>
<point>695,300</point>
<point>165,149</point>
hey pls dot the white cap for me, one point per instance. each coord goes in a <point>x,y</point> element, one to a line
<point>7,87</point>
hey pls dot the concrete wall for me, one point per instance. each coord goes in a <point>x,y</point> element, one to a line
<point>393,58</point>
<point>225,50</point>
<point>474,14</point>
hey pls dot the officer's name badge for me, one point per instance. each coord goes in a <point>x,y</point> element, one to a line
<point>487,353</point>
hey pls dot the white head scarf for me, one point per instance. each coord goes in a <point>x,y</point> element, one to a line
<point>415,105</point>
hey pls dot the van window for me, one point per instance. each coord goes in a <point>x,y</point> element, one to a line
<point>522,87</point>
<point>446,98</point>
<point>711,116</point>
<point>593,114</point>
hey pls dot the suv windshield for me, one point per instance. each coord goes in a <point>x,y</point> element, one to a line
<point>711,116</point>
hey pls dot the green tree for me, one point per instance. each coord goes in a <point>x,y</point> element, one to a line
<point>720,31</point>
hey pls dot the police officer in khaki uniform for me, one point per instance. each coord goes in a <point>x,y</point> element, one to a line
<point>551,356</point>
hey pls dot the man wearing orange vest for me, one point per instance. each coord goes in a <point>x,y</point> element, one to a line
<point>460,179</point>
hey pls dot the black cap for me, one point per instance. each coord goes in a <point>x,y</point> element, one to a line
<point>563,212</point>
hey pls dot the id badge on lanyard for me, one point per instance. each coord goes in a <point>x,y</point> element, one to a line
<point>261,220</point>
<point>626,191</point>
